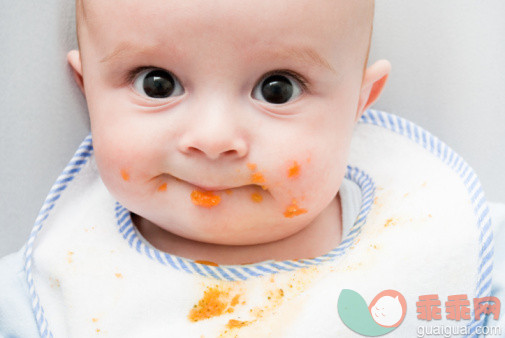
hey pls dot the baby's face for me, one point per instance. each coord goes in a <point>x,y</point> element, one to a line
<point>224,121</point>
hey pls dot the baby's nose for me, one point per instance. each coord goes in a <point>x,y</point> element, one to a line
<point>215,134</point>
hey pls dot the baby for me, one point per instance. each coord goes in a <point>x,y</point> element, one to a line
<point>226,129</point>
<point>222,195</point>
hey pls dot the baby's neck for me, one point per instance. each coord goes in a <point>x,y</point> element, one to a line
<point>318,238</point>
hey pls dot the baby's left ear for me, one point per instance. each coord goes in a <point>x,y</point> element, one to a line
<point>373,83</point>
<point>74,60</point>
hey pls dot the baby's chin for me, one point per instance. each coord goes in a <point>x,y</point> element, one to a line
<point>239,231</point>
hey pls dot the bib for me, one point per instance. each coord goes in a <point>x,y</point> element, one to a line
<point>423,229</point>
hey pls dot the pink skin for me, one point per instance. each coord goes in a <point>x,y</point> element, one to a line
<point>205,137</point>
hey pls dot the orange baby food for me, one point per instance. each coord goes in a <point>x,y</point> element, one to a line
<point>162,187</point>
<point>257,178</point>
<point>256,197</point>
<point>125,175</point>
<point>207,263</point>
<point>212,304</point>
<point>294,171</point>
<point>251,166</point>
<point>233,323</point>
<point>205,199</point>
<point>294,210</point>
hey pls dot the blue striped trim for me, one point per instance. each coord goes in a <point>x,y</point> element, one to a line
<point>471,182</point>
<point>244,272</point>
<point>80,158</point>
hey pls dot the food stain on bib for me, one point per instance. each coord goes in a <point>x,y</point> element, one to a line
<point>215,302</point>
<point>206,199</point>
<point>256,197</point>
<point>70,256</point>
<point>162,187</point>
<point>390,222</point>
<point>233,323</point>
<point>294,210</point>
<point>125,175</point>
<point>294,170</point>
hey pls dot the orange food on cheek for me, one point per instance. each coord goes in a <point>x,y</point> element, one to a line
<point>294,210</point>
<point>294,171</point>
<point>205,199</point>
<point>125,175</point>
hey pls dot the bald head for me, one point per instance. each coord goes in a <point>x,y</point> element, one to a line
<point>363,18</point>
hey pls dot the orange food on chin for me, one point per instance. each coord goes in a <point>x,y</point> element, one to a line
<point>162,187</point>
<point>294,210</point>
<point>256,197</point>
<point>206,199</point>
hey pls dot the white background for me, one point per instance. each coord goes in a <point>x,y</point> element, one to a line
<point>448,76</point>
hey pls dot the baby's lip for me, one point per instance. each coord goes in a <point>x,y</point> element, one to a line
<point>204,187</point>
<point>212,188</point>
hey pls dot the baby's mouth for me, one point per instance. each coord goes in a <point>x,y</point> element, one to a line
<point>206,187</point>
<point>216,188</point>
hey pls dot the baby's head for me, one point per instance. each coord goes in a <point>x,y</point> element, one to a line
<point>226,121</point>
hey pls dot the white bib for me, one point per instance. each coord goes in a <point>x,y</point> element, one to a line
<point>423,228</point>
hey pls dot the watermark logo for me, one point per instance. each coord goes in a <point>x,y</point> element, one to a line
<point>384,314</point>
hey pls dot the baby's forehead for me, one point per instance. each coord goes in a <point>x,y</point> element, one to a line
<point>243,23</point>
<point>338,13</point>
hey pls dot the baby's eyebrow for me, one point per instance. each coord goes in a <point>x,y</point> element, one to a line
<point>126,48</point>
<point>303,55</point>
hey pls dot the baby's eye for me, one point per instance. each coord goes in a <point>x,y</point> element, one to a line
<point>277,89</point>
<point>157,83</point>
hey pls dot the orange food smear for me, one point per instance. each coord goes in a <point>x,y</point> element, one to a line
<point>228,191</point>
<point>256,197</point>
<point>205,199</point>
<point>125,175</point>
<point>389,222</point>
<point>257,178</point>
<point>211,305</point>
<point>234,301</point>
<point>294,210</point>
<point>294,171</point>
<point>207,263</point>
<point>162,187</point>
<point>233,323</point>
<point>251,166</point>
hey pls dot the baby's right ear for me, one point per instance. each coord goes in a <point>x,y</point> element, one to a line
<point>74,60</point>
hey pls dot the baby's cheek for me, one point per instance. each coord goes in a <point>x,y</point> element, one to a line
<point>309,184</point>
<point>121,166</point>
